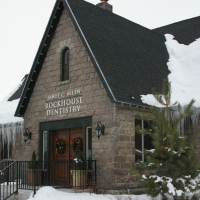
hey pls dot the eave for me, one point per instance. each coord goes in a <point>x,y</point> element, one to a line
<point>39,58</point>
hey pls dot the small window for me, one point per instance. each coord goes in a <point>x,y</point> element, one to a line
<point>142,141</point>
<point>65,64</point>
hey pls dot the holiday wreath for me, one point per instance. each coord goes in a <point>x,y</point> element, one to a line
<point>60,145</point>
<point>77,144</point>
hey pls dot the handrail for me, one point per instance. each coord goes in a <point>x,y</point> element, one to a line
<point>8,166</point>
<point>8,180</point>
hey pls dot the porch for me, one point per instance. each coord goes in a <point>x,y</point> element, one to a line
<point>31,175</point>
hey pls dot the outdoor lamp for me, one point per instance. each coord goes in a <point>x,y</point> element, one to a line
<point>27,135</point>
<point>99,129</point>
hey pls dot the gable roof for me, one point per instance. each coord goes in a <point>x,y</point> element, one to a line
<point>185,32</point>
<point>129,59</point>
<point>8,106</point>
<point>17,94</point>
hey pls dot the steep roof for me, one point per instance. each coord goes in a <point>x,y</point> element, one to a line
<point>17,94</point>
<point>130,56</point>
<point>130,59</point>
<point>9,104</point>
<point>185,31</point>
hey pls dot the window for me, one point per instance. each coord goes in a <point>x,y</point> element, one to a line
<point>65,65</point>
<point>142,141</point>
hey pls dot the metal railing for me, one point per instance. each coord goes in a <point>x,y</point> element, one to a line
<point>31,175</point>
<point>9,180</point>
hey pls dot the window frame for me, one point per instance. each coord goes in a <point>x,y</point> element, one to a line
<point>143,140</point>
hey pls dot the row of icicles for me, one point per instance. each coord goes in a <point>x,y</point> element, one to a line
<point>9,133</point>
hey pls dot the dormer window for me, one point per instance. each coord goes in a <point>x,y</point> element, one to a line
<point>65,64</point>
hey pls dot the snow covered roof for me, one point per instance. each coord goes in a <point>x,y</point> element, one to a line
<point>184,67</point>
<point>9,104</point>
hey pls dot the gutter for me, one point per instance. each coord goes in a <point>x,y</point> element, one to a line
<point>131,104</point>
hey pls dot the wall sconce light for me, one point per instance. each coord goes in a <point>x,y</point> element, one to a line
<point>27,135</point>
<point>99,129</point>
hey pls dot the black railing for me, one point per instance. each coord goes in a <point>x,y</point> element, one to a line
<point>9,180</point>
<point>30,175</point>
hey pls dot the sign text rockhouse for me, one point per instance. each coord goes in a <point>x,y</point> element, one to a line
<point>63,103</point>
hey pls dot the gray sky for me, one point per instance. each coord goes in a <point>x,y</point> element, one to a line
<point>23,23</point>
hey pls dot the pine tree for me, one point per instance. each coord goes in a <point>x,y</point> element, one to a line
<point>172,165</point>
<point>33,159</point>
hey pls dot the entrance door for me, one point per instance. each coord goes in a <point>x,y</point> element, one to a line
<point>61,154</point>
<point>74,133</point>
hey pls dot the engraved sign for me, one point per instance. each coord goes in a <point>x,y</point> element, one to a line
<point>64,102</point>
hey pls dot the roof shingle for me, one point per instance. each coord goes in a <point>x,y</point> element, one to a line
<point>129,55</point>
<point>130,59</point>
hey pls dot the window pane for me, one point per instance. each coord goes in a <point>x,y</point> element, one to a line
<point>89,143</point>
<point>65,64</point>
<point>138,137</point>
<point>138,122</point>
<point>138,146</point>
<point>147,125</point>
<point>45,146</point>
<point>147,138</point>
<point>148,142</point>
<point>66,57</point>
<point>138,140</point>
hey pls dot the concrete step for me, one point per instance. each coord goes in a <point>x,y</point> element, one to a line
<point>22,195</point>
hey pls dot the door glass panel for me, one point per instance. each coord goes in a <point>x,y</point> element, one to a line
<point>45,146</point>
<point>88,143</point>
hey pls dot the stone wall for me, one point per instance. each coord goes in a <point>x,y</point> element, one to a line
<point>113,151</point>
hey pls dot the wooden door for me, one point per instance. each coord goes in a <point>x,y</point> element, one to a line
<point>60,160</point>
<point>74,133</point>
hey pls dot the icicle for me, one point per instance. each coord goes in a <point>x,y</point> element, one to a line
<point>190,123</point>
<point>3,134</point>
<point>195,118</point>
<point>9,132</point>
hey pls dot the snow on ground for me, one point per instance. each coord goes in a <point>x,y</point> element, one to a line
<point>52,194</point>
<point>184,67</point>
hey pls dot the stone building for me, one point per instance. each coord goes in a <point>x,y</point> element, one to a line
<point>90,69</point>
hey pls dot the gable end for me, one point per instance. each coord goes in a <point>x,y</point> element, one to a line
<point>39,59</point>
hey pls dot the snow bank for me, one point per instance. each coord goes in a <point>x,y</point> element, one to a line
<point>52,194</point>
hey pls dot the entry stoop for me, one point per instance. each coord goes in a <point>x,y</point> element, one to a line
<point>25,194</point>
<point>22,195</point>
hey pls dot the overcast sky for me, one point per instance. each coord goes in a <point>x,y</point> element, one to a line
<point>23,23</point>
